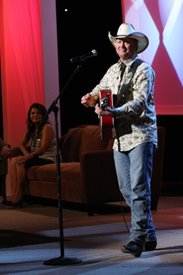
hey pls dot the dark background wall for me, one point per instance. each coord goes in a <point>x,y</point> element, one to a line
<point>84,27</point>
<point>173,164</point>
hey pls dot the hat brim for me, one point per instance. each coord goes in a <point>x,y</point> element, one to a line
<point>142,39</point>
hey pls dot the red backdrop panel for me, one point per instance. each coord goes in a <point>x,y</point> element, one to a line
<point>161,21</point>
<point>21,54</point>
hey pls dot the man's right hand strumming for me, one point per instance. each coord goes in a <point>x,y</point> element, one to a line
<point>88,100</point>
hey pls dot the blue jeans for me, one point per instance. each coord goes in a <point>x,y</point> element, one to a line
<point>134,170</point>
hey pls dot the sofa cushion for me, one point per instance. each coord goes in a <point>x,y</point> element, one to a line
<point>72,184</point>
<point>68,172</point>
<point>110,144</point>
<point>91,139</point>
<point>81,140</point>
<point>45,172</point>
<point>70,150</point>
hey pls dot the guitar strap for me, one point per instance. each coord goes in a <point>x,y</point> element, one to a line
<point>121,96</point>
<point>123,126</point>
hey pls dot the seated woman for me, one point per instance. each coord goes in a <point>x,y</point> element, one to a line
<point>38,147</point>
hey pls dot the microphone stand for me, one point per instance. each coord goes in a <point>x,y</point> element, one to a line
<point>61,260</point>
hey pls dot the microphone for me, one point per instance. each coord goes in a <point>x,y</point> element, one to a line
<point>83,57</point>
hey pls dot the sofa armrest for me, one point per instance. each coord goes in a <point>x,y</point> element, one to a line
<point>99,176</point>
<point>3,167</point>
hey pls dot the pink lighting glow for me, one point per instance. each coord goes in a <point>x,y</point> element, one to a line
<point>161,21</point>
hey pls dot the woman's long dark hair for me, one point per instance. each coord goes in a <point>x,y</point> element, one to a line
<point>30,125</point>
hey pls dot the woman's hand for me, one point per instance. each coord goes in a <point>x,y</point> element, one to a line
<point>22,159</point>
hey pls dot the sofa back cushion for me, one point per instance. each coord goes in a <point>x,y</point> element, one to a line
<point>91,139</point>
<point>79,140</point>
<point>70,149</point>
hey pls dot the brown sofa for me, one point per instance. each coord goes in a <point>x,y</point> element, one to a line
<point>87,170</point>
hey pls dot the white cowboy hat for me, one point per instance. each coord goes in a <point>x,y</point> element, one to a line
<point>127,30</point>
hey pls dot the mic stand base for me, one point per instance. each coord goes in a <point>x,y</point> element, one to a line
<point>62,261</point>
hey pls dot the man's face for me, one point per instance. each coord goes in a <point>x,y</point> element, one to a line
<point>125,47</point>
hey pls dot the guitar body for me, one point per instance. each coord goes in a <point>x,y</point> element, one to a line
<point>106,122</point>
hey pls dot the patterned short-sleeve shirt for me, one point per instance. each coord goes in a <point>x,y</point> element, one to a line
<point>138,113</point>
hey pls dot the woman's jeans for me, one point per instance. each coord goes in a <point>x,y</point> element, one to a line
<point>134,170</point>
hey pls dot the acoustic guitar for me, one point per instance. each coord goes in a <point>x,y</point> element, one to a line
<point>106,122</point>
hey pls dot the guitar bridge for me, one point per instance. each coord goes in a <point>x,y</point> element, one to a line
<point>105,101</point>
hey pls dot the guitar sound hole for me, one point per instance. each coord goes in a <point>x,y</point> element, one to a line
<point>105,102</point>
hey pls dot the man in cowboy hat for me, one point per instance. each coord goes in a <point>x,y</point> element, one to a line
<point>131,81</point>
